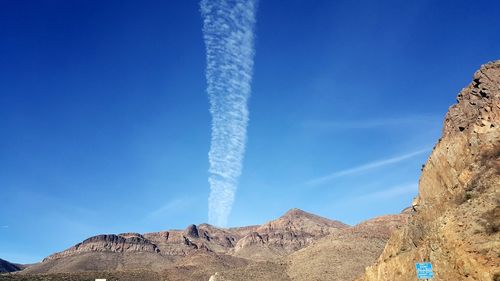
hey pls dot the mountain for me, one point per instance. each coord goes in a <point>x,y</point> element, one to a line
<point>199,251</point>
<point>6,266</point>
<point>159,250</point>
<point>456,217</point>
<point>342,254</point>
<point>296,229</point>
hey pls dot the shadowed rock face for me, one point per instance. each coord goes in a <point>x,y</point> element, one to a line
<point>192,231</point>
<point>457,212</point>
<point>6,266</point>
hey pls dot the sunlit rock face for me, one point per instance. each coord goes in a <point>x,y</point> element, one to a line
<point>456,215</point>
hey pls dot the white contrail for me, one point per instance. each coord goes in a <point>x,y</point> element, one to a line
<point>228,34</point>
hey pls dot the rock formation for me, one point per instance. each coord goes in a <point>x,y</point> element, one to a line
<point>456,215</point>
<point>109,243</point>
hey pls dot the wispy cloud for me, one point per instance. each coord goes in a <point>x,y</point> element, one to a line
<point>4,226</point>
<point>401,189</point>
<point>366,167</point>
<point>173,206</point>
<point>228,33</point>
<point>375,123</point>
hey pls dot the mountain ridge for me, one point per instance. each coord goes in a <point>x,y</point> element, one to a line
<point>198,251</point>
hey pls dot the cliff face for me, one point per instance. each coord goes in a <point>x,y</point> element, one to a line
<point>456,216</point>
<point>127,242</point>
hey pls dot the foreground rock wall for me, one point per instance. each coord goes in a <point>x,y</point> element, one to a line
<point>456,215</point>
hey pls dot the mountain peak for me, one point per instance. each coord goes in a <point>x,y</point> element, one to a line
<point>296,212</point>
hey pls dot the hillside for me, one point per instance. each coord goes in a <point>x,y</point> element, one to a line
<point>340,255</point>
<point>6,266</point>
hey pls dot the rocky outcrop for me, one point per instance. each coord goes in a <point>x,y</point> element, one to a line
<point>110,243</point>
<point>192,231</point>
<point>456,215</point>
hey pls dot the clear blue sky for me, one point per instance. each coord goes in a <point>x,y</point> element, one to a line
<point>105,126</point>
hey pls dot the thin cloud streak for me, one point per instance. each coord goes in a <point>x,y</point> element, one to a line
<point>229,39</point>
<point>401,190</point>
<point>412,120</point>
<point>392,192</point>
<point>366,167</point>
<point>171,207</point>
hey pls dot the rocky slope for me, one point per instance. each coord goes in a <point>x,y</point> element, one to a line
<point>456,219</point>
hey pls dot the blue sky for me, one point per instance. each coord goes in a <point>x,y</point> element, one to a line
<point>105,126</point>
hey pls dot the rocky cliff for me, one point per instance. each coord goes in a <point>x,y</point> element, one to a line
<point>456,216</point>
<point>128,242</point>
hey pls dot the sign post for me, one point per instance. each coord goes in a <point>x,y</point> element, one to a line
<point>424,270</point>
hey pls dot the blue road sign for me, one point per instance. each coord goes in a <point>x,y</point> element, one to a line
<point>424,270</point>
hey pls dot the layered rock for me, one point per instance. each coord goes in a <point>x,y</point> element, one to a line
<point>109,243</point>
<point>456,215</point>
<point>294,230</point>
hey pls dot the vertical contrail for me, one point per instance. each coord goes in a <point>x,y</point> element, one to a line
<point>228,33</point>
